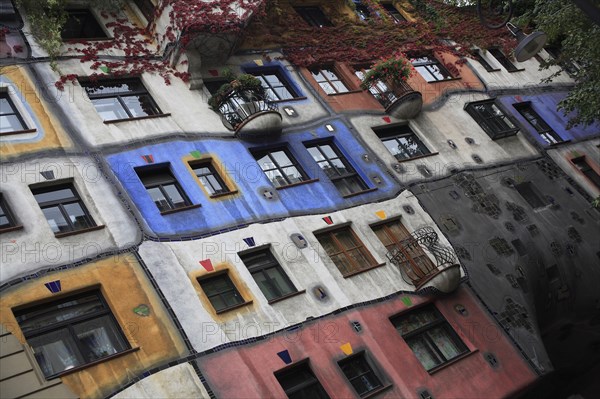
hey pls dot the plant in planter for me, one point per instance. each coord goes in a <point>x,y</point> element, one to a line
<point>243,85</point>
<point>392,70</point>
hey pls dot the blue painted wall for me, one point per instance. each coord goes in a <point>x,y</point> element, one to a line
<point>249,205</point>
<point>546,106</point>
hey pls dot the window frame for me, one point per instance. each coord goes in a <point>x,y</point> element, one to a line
<point>330,233</point>
<point>5,94</point>
<point>584,167</point>
<point>76,198</point>
<point>210,165</point>
<point>164,168</point>
<point>307,14</point>
<point>116,94</point>
<point>362,357</point>
<point>351,174</point>
<point>259,153</point>
<point>70,324</point>
<point>89,13</point>
<point>272,263</point>
<point>432,60</point>
<point>391,11</point>
<point>381,91</point>
<point>147,9</point>
<point>397,132</point>
<point>332,69</point>
<point>7,212</point>
<point>503,60</point>
<point>421,331</point>
<point>260,72</point>
<point>485,63</point>
<point>301,365</point>
<point>206,279</point>
<point>525,109</point>
<point>488,124</point>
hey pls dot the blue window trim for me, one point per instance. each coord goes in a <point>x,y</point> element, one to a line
<point>277,67</point>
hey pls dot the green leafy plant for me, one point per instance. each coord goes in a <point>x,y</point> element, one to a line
<point>240,83</point>
<point>596,202</point>
<point>393,70</point>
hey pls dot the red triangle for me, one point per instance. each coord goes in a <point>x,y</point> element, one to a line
<point>387,119</point>
<point>207,265</point>
<point>213,72</point>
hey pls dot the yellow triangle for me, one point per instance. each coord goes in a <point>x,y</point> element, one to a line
<point>347,348</point>
<point>381,214</point>
<point>258,62</point>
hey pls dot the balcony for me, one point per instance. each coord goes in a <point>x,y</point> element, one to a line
<point>250,114</point>
<point>399,99</point>
<point>414,257</point>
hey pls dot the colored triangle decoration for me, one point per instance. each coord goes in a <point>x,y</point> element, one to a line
<point>381,215</point>
<point>328,220</point>
<point>54,286</point>
<point>196,154</point>
<point>259,62</point>
<point>249,241</point>
<point>48,174</point>
<point>347,349</point>
<point>406,300</point>
<point>387,119</point>
<point>148,158</point>
<point>285,356</point>
<point>207,265</point>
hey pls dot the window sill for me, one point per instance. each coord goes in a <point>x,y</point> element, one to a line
<point>289,100</point>
<point>80,231</point>
<point>296,184</point>
<point>418,157</point>
<point>233,307</point>
<point>493,70</point>
<point>346,92</point>
<point>183,208</point>
<point>451,362</point>
<point>377,391</point>
<point>363,270</point>
<point>553,145</point>
<point>81,40</point>
<point>360,192</point>
<point>224,194</point>
<point>11,228</point>
<point>445,80</point>
<point>138,118</point>
<point>94,363</point>
<point>516,70</point>
<point>281,298</point>
<point>17,132</point>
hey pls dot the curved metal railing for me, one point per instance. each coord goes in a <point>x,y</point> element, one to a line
<point>240,105</point>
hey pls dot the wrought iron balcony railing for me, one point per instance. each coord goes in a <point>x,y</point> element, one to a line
<point>412,256</point>
<point>241,105</point>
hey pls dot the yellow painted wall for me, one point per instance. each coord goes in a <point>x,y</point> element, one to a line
<point>28,92</point>
<point>124,286</point>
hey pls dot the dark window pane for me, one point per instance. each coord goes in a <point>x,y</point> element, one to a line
<point>358,371</point>
<point>81,24</point>
<point>268,274</point>
<point>280,167</point>
<point>79,218</point>
<point>56,351</point>
<point>221,292</point>
<point>55,195</point>
<point>299,382</point>
<point>313,16</point>
<point>531,194</point>
<point>99,338</point>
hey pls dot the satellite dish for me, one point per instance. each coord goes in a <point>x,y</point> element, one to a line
<point>528,45</point>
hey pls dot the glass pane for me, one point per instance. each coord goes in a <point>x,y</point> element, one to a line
<point>328,244</point>
<point>176,197</point>
<point>4,222</point>
<point>315,153</point>
<point>273,80</point>
<point>216,285</point>
<point>398,230</point>
<point>316,73</point>
<point>203,170</point>
<point>328,151</point>
<point>339,87</point>
<point>56,220</point>
<point>79,218</point>
<point>279,280</point>
<point>339,167</point>
<point>416,320</point>
<point>283,93</point>
<point>349,185</point>
<point>109,109</point>
<point>345,238</point>
<point>272,283</point>
<point>205,182</point>
<point>216,184</point>
<point>62,194</point>
<point>140,105</point>
<point>281,158</point>
<point>265,162</point>
<point>10,123</point>
<point>383,236</point>
<point>343,264</point>
<point>232,298</point>
<point>159,199</point>
<point>360,257</point>
<point>5,107</point>
<point>55,352</point>
<point>276,178</point>
<point>438,72</point>
<point>293,174</point>
<point>424,353</point>
<point>329,74</point>
<point>444,343</point>
<point>425,73</point>
<point>327,88</point>
<point>58,312</point>
<point>99,338</point>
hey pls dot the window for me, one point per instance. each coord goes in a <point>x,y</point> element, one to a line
<point>209,177</point>
<point>221,292</point>
<point>346,250</point>
<point>430,337</point>
<point>121,99</point>
<point>484,63</point>
<point>10,119</point>
<point>313,16</point>
<point>393,235</point>
<point>63,209</point>
<point>275,85</point>
<point>7,220</point>
<point>328,80</point>
<point>381,91</point>
<point>71,332</point>
<point>530,193</point>
<point>587,170</point>
<point>393,12</point>
<point>527,112</point>
<point>430,68</point>
<point>337,168</point>
<point>280,167</point>
<point>362,11</point>
<point>81,24</point>
<point>146,7</point>
<point>402,143</point>
<point>162,187</point>
<point>214,85</point>
<point>505,62</point>
<point>268,274</point>
<point>360,374</point>
<point>491,119</point>
<point>299,382</point>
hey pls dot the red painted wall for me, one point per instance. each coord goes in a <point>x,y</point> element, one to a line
<point>247,371</point>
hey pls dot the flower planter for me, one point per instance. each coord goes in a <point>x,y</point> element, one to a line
<point>407,104</point>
